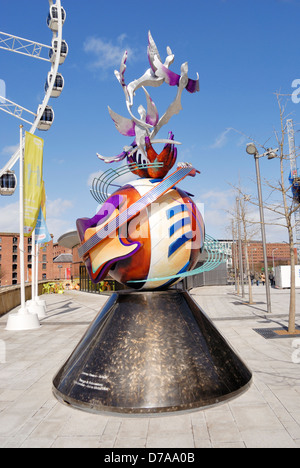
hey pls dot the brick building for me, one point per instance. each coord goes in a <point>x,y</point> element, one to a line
<point>62,266</point>
<point>48,268</point>
<point>70,242</point>
<point>278,253</point>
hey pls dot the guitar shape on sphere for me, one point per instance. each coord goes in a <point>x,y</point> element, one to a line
<point>144,230</point>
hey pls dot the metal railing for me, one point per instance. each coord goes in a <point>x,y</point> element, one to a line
<point>105,286</point>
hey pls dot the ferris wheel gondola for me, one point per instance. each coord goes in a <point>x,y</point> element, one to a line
<point>8,183</point>
<point>46,119</point>
<point>54,51</point>
<point>55,54</point>
<point>52,20</point>
<point>58,86</point>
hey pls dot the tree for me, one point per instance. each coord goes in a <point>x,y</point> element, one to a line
<point>288,206</point>
<point>241,216</point>
<point>282,204</point>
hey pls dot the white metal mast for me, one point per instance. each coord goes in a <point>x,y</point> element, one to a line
<point>294,176</point>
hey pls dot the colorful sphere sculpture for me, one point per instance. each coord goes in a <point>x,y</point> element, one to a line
<point>148,232</point>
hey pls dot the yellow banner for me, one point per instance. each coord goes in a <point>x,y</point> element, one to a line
<point>33,181</point>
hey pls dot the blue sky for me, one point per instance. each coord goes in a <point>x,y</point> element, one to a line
<point>243,50</point>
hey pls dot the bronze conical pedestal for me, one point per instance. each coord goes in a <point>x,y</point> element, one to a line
<point>150,352</point>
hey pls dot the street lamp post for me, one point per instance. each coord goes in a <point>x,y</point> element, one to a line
<point>241,269</point>
<point>270,153</point>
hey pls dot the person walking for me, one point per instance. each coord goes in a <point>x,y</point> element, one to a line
<point>257,278</point>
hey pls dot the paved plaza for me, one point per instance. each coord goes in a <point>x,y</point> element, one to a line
<point>267,415</point>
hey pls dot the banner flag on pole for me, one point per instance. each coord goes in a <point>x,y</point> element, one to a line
<point>42,235</point>
<point>33,181</point>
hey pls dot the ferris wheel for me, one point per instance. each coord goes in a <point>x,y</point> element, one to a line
<point>43,117</point>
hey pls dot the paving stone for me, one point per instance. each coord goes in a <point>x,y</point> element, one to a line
<point>267,415</point>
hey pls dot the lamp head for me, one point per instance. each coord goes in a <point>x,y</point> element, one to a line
<point>271,153</point>
<point>251,149</point>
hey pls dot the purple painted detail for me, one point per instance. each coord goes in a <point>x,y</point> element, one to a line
<point>86,223</point>
<point>124,125</point>
<point>126,130</point>
<point>119,157</point>
<point>105,212</point>
<point>173,79</point>
<point>170,137</point>
<point>161,71</point>
<point>152,117</point>
<point>131,159</point>
<point>193,86</point>
<point>175,153</point>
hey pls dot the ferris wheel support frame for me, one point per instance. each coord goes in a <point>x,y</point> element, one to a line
<point>23,46</point>
<point>54,69</point>
<point>14,109</point>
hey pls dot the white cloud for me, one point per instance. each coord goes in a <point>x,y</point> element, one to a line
<point>107,54</point>
<point>55,208</point>
<point>57,222</point>
<point>59,226</point>
<point>221,139</point>
<point>218,200</point>
<point>217,205</point>
<point>9,218</point>
<point>9,150</point>
<point>275,227</point>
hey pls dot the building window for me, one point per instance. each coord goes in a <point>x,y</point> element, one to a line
<point>14,281</point>
<point>15,248</point>
<point>29,240</point>
<point>15,240</point>
<point>15,258</point>
<point>44,258</point>
<point>14,267</point>
<point>44,266</point>
<point>29,249</point>
<point>29,258</point>
<point>44,276</point>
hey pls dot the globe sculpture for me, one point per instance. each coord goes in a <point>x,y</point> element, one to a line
<point>151,348</point>
<point>162,240</point>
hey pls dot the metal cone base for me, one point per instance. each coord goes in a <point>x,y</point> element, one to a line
<point>150,352</point>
